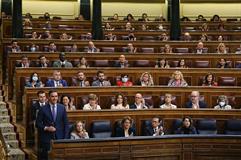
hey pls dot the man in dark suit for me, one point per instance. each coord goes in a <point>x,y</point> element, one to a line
<point>42,101</point>
<point>52,123</point>
<point>195,102</point>
<point>122,62</point>
<point>25,63</point>
<point>43,62</point>
<point>155,129</point>
<point>57,80</point>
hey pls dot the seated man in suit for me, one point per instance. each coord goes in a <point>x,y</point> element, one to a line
<point>80,80</point>
<point>200,48</point>
<point>101,80</point>
<point>62,62</point>
<point>122,62</point>
<point>139,102</point>
<point>25,63</point>
<point>57,80</point>
<point>14,47</point>
<point>52,124</point>
<point>195,102</point>
<point>43,62</point>
<point>52,47</point>
<point>155,129</point>
<point>91,47</point>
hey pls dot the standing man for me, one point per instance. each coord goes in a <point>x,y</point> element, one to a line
<point>52,123</point>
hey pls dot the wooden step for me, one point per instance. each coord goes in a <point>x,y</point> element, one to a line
<point>13,143</point>
<point>9,136</point>
<point>4,119</point>
<point>6,127</point>
<point>3,105</point>
<point>3,112</point>
<point>16,154</point>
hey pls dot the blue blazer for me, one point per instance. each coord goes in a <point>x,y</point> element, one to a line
<point>61,124</point>
<point>201,104</point>
<point>50,83</point>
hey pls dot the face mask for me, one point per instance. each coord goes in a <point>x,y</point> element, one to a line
<point>125,79</point>
<point>34,78</point>
<point>221,103</point>
<point>33,49</point>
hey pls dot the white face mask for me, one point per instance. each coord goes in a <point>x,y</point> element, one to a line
<point>33,49</point>
<point>125,79</point>
<point>221,103</point>
<point>34,78</point>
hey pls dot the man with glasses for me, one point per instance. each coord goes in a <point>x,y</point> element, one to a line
<point>155,129</point>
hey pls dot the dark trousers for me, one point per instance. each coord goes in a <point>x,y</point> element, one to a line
<point>43,150</point>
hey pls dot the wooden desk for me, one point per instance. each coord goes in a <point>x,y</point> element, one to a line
<point>164,147</point>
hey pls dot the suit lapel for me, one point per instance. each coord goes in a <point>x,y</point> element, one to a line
<point>50,112</point>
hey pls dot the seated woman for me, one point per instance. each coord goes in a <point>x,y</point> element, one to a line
<point>79,131</point>
<point>177,80</point>
<point>110,37</point>
<point>222,103</point>
<point>187,127</point>
<point>130,48</point>
<point>65,36</point>
<point>209,80</point>
<point>27,24</point>
<point>146,79</point>
<point>129,27</point>
<point>168,102</point>
<point>182,64</point>
<point>221,49</point>
<point>124,81</point>
<point>34,81</point>
<point>167,49</point>
<point>67,102</point>
<point>223,63</point>
<point>120,102</point>
<point>93,103</point>
<point>83,63</point>
<point>126,129</point>
<point>162,64</point>
<point>108,27</point>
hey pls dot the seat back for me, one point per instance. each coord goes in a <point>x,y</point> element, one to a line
<point>233,127</point>
<point>206,126</point>
<point>175,125</point>
<point>147,50</point>
<point>101,63</point>
<point>147,38</point>
<point>201,64</point>
<point>227,81</point>
<point>145,124</point>
<point>101,129</point>
<point>182,50</point>
<point>108,49</point>
<point>142,63</point>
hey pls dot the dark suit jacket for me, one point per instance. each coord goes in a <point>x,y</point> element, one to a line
<point>201,104</point>
<point>120,132</point>
<point>34,109</point>
<point>45,118</point>
<point>118,64</point>
<point>50,83</point>
<point>39,65</point>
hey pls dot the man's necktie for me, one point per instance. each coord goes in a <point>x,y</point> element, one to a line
<point>53,113</point>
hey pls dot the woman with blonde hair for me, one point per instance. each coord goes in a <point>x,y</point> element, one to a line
<point>79,131</point>
<point>221,49</point>
<point>146,79</point>
<point>177,80</point>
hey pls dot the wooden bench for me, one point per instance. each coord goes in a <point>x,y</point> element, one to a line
<point>165,147</point>
<point>105,95</point>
